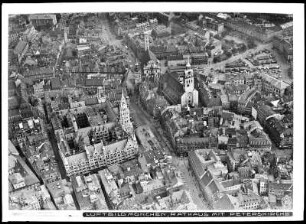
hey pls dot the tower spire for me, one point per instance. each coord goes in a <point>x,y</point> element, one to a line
<point>188,63</point>
<point>124,117</point>
<point>146,41</point>
<point>123,99</point>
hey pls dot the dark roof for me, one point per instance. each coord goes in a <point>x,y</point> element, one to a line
<point>232,97</point>
<point>232,141</point>
<point>94,82</point>
<point>158,48</point>
<point>11,85</point>
<point>56,32</point>
<point>39,71</point>
<point>280,186</point>
<point>224,203</point>
<point>227,116</point>
<point>265,110</point>
<point>27,113</point>
<point>175,57</point>
<point>172,80</point>
<point>41,16</point>
<point>158,154</point>
<point>13,102</point>
<point>149,157</point>
<point>138,188</point>
<point>214,187</point>
<point>288,118</point>
<point>230,183</point>
<point>242,132</point>
<point>214,101</point>
<point>206,179</point>
<point>230,131</point>
<point>276,125</point>
<point>125,190</point>
<point>198,111</point>
<point>14,112</point>
<point>91,101</point>
<point>55,83</point>
<point>242,139</point>
<point>196,164</point>
<point>47,87</point>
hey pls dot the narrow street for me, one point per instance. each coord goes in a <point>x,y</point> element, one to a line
<point>59,161</point>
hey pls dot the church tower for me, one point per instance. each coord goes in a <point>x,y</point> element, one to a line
<point>124,116</point>
<point>189,79</point>
<point>190,97</point>
<point>147,41</point>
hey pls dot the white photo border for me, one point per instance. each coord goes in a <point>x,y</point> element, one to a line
<point>299,76</point>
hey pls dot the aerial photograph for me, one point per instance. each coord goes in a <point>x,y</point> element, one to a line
<point>155,111</point>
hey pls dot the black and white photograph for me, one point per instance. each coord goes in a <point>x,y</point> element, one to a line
<point>153,111</point>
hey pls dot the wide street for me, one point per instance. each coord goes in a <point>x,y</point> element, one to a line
<point>108,37</point>
<point>55,148</point>
<point>191,184</point>
<point>141,117</point>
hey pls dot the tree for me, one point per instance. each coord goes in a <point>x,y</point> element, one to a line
<point>234,50</point>
<point>251,43</point>
<point>33,101</point>
<point>154,33</point>
<point>216,59</point>
<point>243,48</point>
<point>228,54</point>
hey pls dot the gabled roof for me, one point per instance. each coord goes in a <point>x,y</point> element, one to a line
<point>227,115</point>
<point>215,186</point>
<point>280,186</point>
<point>120,145</point>
<point>91,101</point>
<point>232,141</point>
<point>196,164</point>
<point>41,16</point>
<point>214,101</point>
<point>227,202</point>
<point>207,178</point>
<point>20,47</point>
<point>232,97</point>
<point>94,82</point>
<point>77,158</point>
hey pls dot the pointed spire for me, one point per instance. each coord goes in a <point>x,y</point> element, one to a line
<point>188,63</point>
<point>123,100</point>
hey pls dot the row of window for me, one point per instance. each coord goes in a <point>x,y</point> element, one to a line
<point>253,205</point>
<point>86,165</point>
<point>259,143</point>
